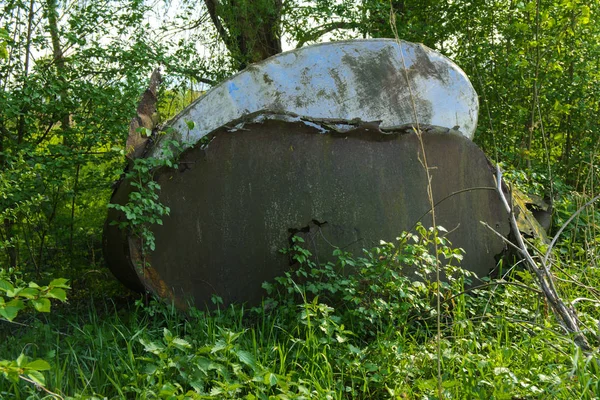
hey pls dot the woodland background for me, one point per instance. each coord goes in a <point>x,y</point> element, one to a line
<point>71,75</point>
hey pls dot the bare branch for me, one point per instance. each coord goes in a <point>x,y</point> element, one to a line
<point>565,315</point>
<point>562,228</point>
<point>323,29</point>
<point>212,5</point>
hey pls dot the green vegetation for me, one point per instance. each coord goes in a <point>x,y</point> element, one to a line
<point>322,333</point>
<point>71,74</point>
<point>16,298</point>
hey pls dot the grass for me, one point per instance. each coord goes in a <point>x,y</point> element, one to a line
<point>321,334</point>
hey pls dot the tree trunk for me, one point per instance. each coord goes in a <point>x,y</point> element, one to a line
<point>65,119</point>
<point>251,29</point>
<point>59,61</point>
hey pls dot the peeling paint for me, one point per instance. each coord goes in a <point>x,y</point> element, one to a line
<point>359,79</point>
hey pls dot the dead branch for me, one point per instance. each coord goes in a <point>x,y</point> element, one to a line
<point>566,316</point>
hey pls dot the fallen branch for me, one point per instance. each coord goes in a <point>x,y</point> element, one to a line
<point>566,315</point>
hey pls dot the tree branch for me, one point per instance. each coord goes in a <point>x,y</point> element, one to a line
<point>212,5</point>
<point>323,29</point>
<point>565,315</point>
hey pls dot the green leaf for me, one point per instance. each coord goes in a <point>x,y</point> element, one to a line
<point>60,283</point>
<point>270,379</point>
<point>181,344</point>
<point>58,293</point>
<point>21,360</point>
<point>10,372</point>
<point>37,377</point>
<point>220,345</point>
<point>29,293</point>
<point>6,286</point>
<point>198,385</point>
<point>14,293</point>
<point>584,17</point>
<point>11,309</point>
<point>41,305</point>
<point>247,358</point>
<point>39,365</point>
<point>150,369</point>
<point>167,390</point>
<point>152,347</point>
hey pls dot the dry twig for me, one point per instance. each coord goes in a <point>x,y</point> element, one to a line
<point>566,315</point>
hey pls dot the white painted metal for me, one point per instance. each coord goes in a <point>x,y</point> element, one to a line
<point>349,80</point>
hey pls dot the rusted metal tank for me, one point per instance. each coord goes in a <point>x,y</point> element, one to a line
<point>320,139</point>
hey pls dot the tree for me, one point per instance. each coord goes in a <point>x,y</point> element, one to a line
<point>251,29</point>
<point>533,64</point>
<point>63,114</point>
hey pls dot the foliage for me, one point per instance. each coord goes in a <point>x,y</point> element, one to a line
<point>380,289</point>
<point>69,84</point>
<point>23,367</point>
<point>70,76</point>
<point>16,297</point>
<point>143,208</point>
<point>545,53</point>
<point>322,333</point>
<point>3,41</point>
<point>21,295</point>
<point>69,88</point>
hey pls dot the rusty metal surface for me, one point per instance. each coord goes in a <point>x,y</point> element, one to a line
<point>115,243</point>
<point>234,202</point>
<point>348,80</point>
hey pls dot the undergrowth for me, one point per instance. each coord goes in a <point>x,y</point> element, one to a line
<point>360,327</point>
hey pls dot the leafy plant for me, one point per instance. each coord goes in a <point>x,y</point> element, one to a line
<point>143,208</point>
<point>323,332</point>
<point>390,285</point>
<point>16,297</point>
<point>3,41</point>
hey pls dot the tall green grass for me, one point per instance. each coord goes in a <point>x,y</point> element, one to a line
<point>321,334</point>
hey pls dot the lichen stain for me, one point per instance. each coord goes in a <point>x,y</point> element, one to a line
<point>277,102</point>
<point>300,102</point>
<point>426,68</point>
<point>340,84</point>
<point>267,79</point>
<point>305,76</point>
<point>373,77</point>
